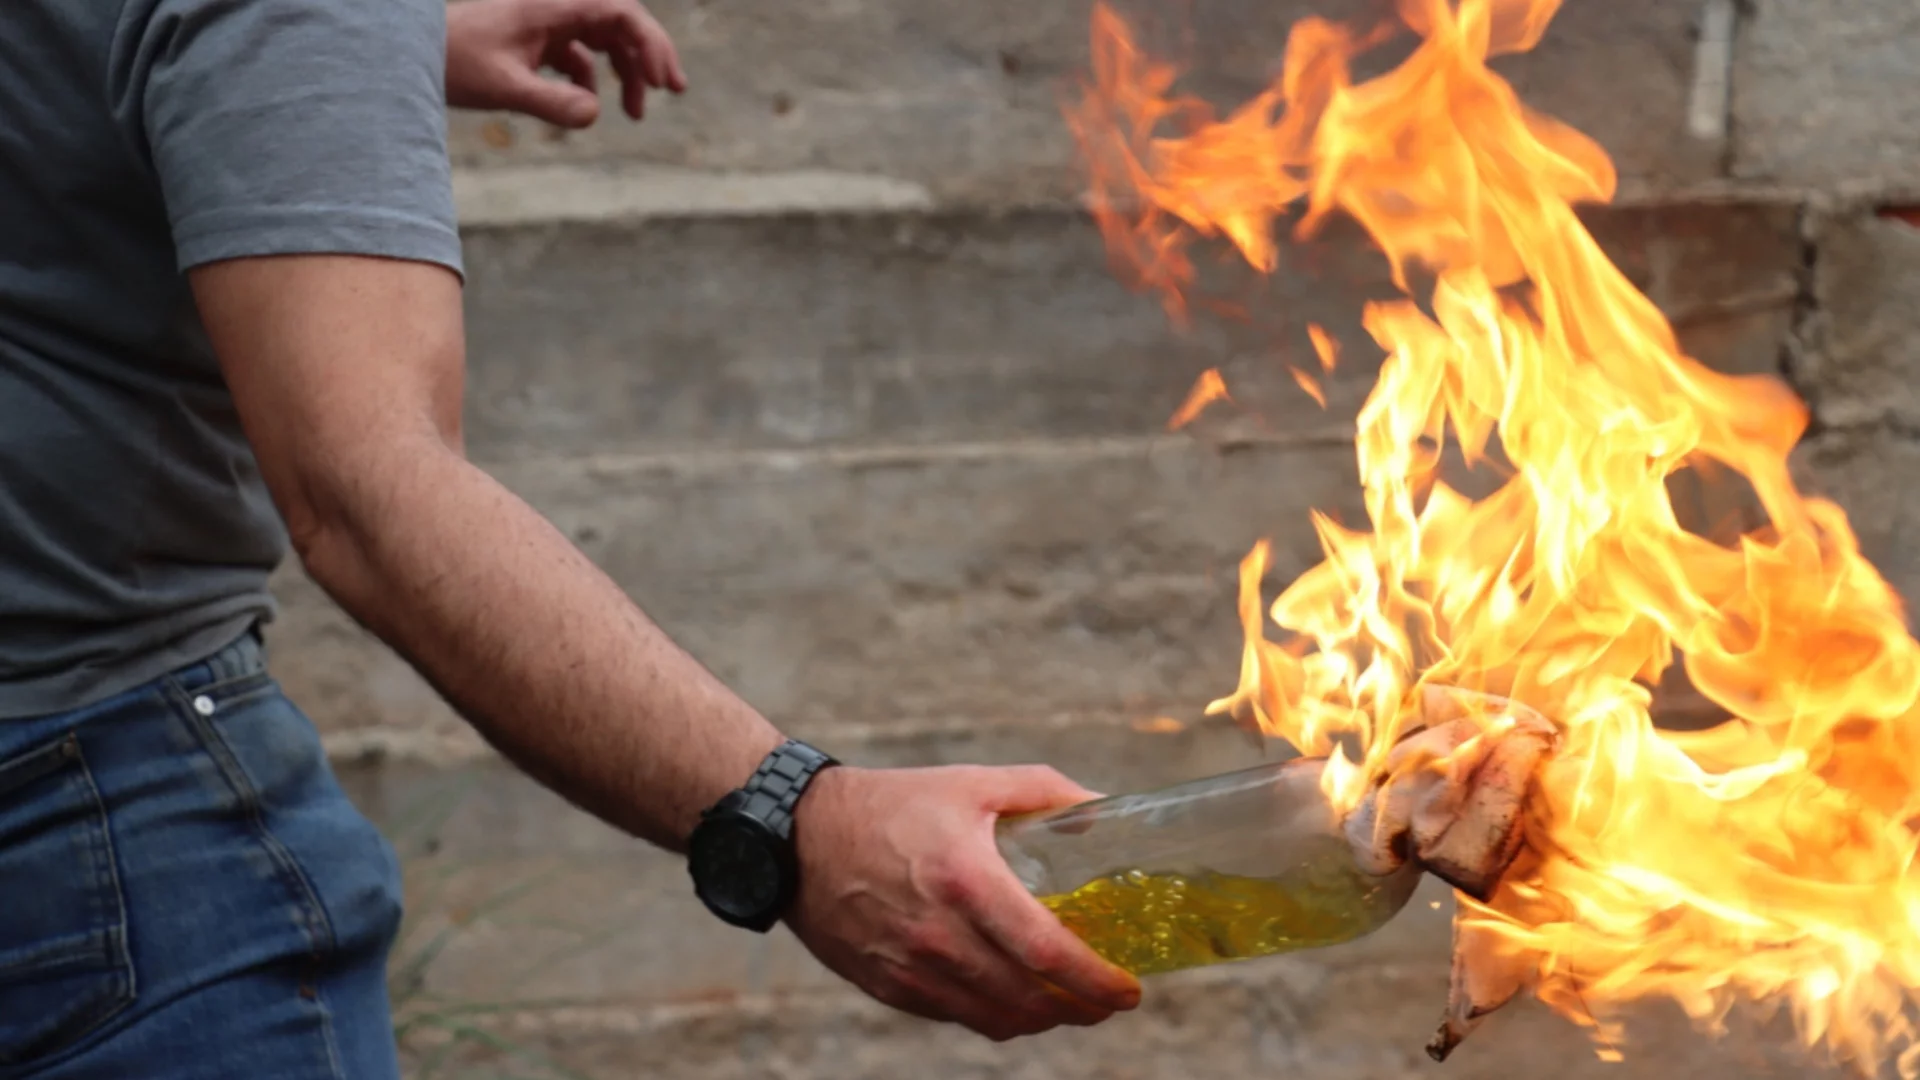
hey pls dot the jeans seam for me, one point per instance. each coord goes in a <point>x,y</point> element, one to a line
<point>125,977</point>
<point>327,1034</point>
<point>34,764</point>
<point>226,689</point>
<point>316,924</point>
<point>123,954</point>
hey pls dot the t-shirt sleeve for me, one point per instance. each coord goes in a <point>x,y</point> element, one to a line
<point>280,127</point>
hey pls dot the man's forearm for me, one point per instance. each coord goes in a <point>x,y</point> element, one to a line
<point>347,373</point>
<point>537,647</point>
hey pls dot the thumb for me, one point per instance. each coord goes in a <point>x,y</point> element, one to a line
<point>1021,789</point>
<point>559,103</point>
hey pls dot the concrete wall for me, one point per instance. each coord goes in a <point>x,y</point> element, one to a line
<point>824,367</point>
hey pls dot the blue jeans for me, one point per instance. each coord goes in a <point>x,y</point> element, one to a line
<point>185,891</point>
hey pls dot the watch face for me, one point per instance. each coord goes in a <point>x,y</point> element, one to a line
<point>735,867</point>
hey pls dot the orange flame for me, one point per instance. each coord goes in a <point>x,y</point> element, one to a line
<point>1324,347</point>
<point>1207,389</point>
<point>1767,859</point>
<point>1309,384</point>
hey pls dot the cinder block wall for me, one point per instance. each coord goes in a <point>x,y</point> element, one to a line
<point>823,365</point>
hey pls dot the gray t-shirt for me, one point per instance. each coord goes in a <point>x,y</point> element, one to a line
<point>138,139</point>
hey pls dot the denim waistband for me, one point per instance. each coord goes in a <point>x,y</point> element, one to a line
<point>245,657</point>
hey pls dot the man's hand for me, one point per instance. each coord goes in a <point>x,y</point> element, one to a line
<point>904,894</point>
<point>496,48</point>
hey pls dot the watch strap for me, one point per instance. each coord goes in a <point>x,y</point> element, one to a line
<point>776,786</point>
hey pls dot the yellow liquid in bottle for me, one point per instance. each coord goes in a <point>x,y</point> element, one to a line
<point>1150,923</point>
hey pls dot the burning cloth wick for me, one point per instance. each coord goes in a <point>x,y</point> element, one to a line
<point>1451,797</point>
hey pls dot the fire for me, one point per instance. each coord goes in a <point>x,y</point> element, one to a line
<point>1207,389</point>
<point>1769,859</point>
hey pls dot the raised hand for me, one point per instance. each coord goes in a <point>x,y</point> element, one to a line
<point>497,48</point>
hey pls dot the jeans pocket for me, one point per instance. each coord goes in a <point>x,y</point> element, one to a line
<point>64,964</point>
<point>341,869</point>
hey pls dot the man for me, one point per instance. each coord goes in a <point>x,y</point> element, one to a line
<point>230,321</point>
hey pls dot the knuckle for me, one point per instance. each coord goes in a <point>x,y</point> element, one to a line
<point>969,971</point>
<point>926,941</point>
<point>950,884</point>
<point>957,775</point>
<point>896,986</point>
<point>1044,954</point>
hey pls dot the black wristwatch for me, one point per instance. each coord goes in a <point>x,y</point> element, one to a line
<point>741,855</point>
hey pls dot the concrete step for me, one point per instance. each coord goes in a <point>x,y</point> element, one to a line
<point>969,583</point>
<point>966,581</point>
<point>1358,1012</point>
<point>887,464</point>
<point>585,951</point>
<point>963,100</point>
<point>659,325</point>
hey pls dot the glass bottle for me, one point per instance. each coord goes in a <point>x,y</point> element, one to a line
<point>1243,864</point>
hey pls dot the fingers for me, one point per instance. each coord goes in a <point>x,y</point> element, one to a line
<point>643,56</point>
<point>951,1002</point>
<point>990,992</point>
<point>1021,789</point>
<point>575,61</point>
<point>1038,1005</point>
<point>563,104</point>
<point>912,901</point>
<point>642,53</point>
<point>657,61</point>
<point>940,968</point>
<point>1016,923</point>
<point>633,81</point>
<point>1027,932</point>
